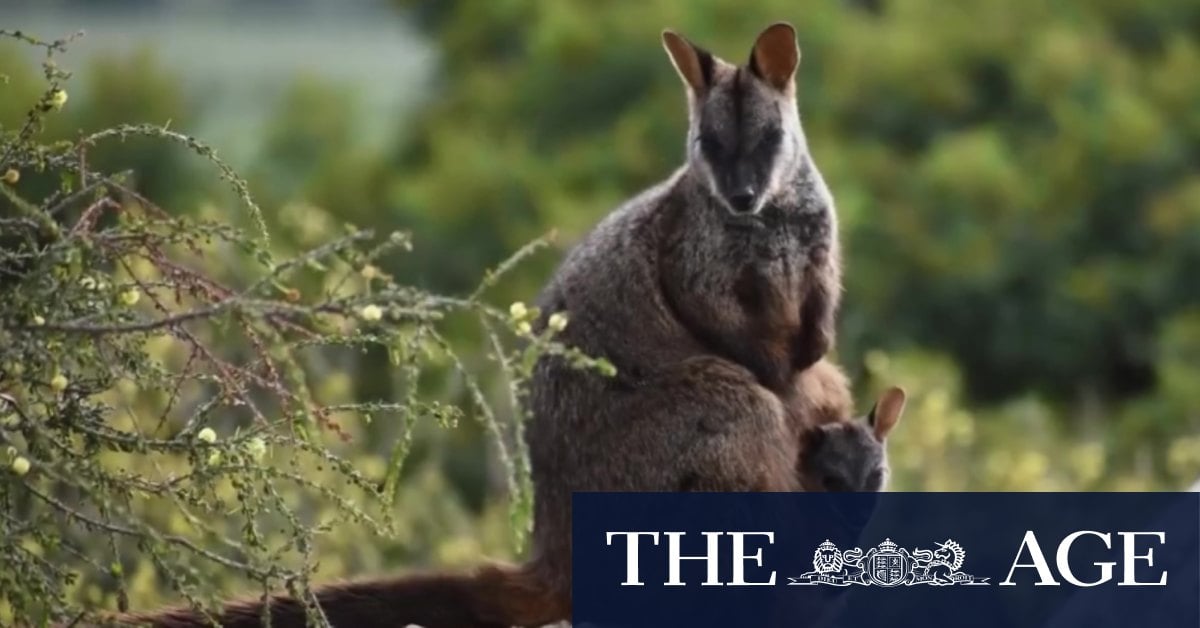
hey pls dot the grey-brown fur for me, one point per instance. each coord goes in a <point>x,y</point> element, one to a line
<point>708,306</point>
<point>850,455</point>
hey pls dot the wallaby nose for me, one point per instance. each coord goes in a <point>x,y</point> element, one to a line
<point>742,201</point>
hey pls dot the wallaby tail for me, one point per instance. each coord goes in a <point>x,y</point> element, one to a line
<point>491,597</point>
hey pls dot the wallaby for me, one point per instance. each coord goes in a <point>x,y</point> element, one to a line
<point>850,455</point>
<point>714,294</point>
<point>708,292</point>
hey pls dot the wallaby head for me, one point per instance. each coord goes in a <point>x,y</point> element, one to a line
<point>851,455</point>
<point>744,138</point>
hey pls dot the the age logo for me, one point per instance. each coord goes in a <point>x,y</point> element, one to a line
<point>888,565</point>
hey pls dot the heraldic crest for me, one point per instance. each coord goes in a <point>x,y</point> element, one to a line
<point>888,565</point>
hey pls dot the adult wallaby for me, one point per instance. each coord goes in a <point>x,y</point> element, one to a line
<point>709,292</point>
<point>714,294</point>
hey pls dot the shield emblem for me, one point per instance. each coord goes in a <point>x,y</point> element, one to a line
<point>887,568</point>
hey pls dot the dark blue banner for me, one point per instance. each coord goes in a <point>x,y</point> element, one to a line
<point>985,560</point>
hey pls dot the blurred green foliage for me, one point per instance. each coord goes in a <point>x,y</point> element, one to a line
<point>1017,182</point>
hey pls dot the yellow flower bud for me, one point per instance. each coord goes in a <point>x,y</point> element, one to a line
<point>558,321</point>
<point>58,383</point>
<point>38,321</point>
<point>131,296</point>
<point>207,435</point>
<point>20,465</point>
<point>369,272</point>
<point>257,448</point>
<point>58,98</point>
<point>371,313</point>
<point>11,176</point>
<point>518,310</point>
<point>525,328</point>
<point>214,458</point>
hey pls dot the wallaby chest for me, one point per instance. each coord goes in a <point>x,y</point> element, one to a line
<point>773,261</point>
<point>740,284</point>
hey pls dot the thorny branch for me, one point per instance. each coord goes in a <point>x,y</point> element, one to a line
<point>154,383</point>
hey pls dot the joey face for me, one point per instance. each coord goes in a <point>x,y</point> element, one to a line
<point>842,457</point>
<point>744,136</point>
<point>851,455</point>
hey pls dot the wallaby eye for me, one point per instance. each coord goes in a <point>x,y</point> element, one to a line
<point>767,144</point>
<point>875,481</point>
<point>710,146</point>
<point>770,140</point>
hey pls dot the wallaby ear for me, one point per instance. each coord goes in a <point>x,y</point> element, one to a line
<point>694,64</point>
<point>886,413</point>
<point>775,55</point>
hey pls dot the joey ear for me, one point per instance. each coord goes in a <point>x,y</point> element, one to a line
<point>694,64</point>
<point>886,413</point>
<point>775,55</point>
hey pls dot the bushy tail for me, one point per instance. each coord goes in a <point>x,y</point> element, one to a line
<point>492,597</point>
